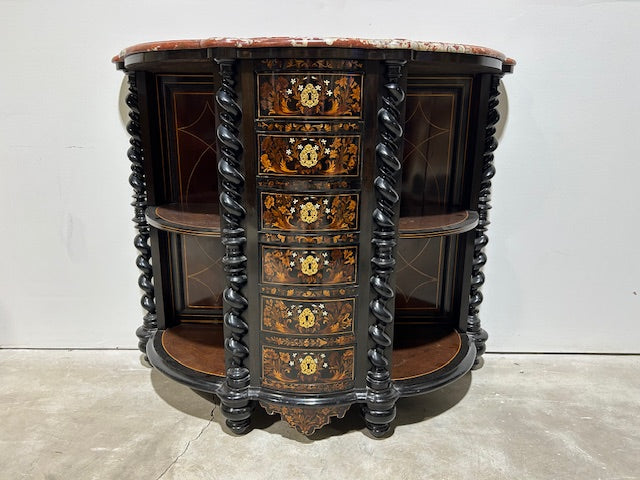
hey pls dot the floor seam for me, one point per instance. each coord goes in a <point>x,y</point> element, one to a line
<point>175,460</point>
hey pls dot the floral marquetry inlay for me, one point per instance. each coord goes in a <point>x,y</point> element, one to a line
<point>307,127</point>
<point>307,371</point>
<point>295,63</point>
<point>303,317</point>
<point>306,419</point>
<point>326,155</point>
<point>299,266</point>
<point>292,212</point>
<point>311,94</point>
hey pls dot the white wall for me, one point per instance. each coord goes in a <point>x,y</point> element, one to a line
<point>564,261</point>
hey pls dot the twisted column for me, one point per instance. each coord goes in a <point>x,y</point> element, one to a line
<point>478,335</point>
<point>235,404</point>
<point>380,407</point>
<point>141,240</point>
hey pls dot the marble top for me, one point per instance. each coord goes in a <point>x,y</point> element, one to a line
<point>263,42</point>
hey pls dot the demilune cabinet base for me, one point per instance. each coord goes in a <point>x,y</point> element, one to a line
<point>311,216</point>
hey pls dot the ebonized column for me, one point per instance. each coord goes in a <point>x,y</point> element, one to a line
<point>141,240</point>
<point>236,406</point>
<point>478,335</point>
<point>380,409</point>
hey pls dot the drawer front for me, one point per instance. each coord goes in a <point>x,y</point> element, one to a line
<point>307,317</point>
<point>323,95</point>
<point>290,212</point>
<point>327,155</point>
<point>318,266</point>
<point>307,371</point>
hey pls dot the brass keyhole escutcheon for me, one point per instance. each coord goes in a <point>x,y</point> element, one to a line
<point>308,365</point>
<point>308,156</point>
<point>308,212</point>
<point>307,319</point>
<point>309,96</point>
<point>309,266</point>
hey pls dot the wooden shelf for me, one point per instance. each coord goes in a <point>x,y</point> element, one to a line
<point>446,223</point>
<point>197,347</point>
<point>203,219</point>
<point>195,219</point>
<point>426,357</point>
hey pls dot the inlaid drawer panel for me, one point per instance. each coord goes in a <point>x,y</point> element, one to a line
<point>324,95</point>
<point>292,212</point>
<point>307,371</point>
<point>299,266</point>
<point>327,155</point>
<point>307,317</point>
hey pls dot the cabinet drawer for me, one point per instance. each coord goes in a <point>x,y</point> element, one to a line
<point>327,155</point>
<point>307,371</point>
<point>307,317</point>
<point>292,212</point>
<point>300,266</point>
<point>323,95</point>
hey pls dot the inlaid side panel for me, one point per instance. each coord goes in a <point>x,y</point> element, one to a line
<point>433,181</point>
<point>427,161</point>
<point>198,277</point>
<point>321,266</point>
<point>326,95</point>
<point>187,117</point>
<point>420,275</point>
<point>203,280</point>
<point>326,155</point>
<point>434,144</point>
<point>293,212</point>
<point>307,371</point>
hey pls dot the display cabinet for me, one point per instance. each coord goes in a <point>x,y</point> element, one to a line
<point>311,218</point>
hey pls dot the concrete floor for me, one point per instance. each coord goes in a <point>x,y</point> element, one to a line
<point>105,415</point>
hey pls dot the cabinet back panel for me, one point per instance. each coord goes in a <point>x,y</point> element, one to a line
<point>187,129</point>
<point>434,151</point>
<point>187,135</point>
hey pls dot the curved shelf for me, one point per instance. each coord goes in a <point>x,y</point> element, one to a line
<point>427,357</point>
<point>195,219</point>
<point>192,354</point>
<point>437,225</point>
<point>202,219</point>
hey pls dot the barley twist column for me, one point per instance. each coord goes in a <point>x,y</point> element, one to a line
<point>235,402</point>
<point>380,409</point>
<point>478,335</point>
<point>141,240</point>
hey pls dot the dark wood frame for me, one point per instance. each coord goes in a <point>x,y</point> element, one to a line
<point>385,85</point>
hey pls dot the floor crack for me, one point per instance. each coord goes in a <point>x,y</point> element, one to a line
<point>175,460</point>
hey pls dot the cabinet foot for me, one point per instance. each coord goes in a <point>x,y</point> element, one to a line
<point>378,430</point>
<point>234,397</point>
<point>144,333</point>
<point>238,418</point>
<point>479,338</point>
<point>378,415</point>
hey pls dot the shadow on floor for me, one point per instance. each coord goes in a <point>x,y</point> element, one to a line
<point>410,410</point>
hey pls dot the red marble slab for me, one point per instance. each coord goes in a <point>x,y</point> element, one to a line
<point>264,42</point>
